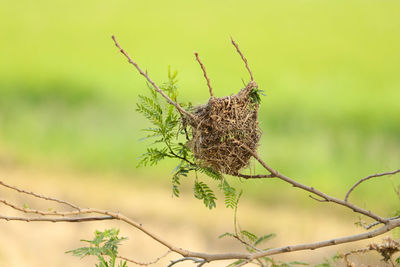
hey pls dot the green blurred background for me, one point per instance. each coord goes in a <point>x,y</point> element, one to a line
<point>330,70</point>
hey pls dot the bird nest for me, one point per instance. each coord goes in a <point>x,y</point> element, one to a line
<point>225,131</point>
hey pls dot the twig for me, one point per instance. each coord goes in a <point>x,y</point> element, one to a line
<point>346,255</point>
<point>369,226</point>
<point>205,74</point>
<point>195,260</point>
<point>243,263</point>
<point>169,100</point>
<point>246,243</point>
<point>255,176</point>
<point>317,199</point>
<point>367,178</point>
<point>28,210</point>
<point>145,263</point>
<point>312,189</point>
<point>39,196</point>
<point>243,58</point>
<point>47,213</point>
<point>63,219</point>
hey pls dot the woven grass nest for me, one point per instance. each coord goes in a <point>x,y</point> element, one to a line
<point>225,129</point>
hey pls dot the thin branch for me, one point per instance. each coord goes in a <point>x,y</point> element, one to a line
<point>246,243</point>
<point>205,74</point>
<point>243,263</point>
<point>169,100</point>
<point>171,151</point>
<point>256,176</point>
<point>243,58</point>
<point>39,196</point>
<point>63,219</point>
<point>317,199</point>
<point>46,213</point>
<point>145,263</point>
<point>195,260</point>
<point>369,226</point>
<point>312,189</point>
<point>367,178</point>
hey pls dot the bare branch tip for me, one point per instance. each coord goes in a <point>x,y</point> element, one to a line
<point>243,58</point>
<point>204,73</point>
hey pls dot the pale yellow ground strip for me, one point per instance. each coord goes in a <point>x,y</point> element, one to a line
<point>184,221</point>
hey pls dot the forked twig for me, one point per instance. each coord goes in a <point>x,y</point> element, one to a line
<point>145,263</point>
<point>194,259</point>
<point>205,74</point>
<point>39,196</point>
<point>243,58</point>
<point>312,189</point>
<point>367,178</point>
<point>369,226</point>
<point>156,87</point>
<point>63,219</point>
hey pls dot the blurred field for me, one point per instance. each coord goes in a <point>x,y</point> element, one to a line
<point>330,71</point>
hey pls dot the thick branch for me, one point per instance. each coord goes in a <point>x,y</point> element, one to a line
<point>386,228</point>
<point>158,90</point>
<point>367,178</point>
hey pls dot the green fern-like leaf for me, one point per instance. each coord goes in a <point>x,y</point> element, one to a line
<point>292,263</point>
<point>230,195</point>
<point>202,191</point>
<point>180,170</point>
<point>152,156</point>
<point>255,95</point>
<point>264,238</point>
<point>210,172</point>
<point>171,86</point>
<point>252,237</point>
<point>104,244</point>
<point>226,234</point>
<point>235,263</point>
<point>151,109</point>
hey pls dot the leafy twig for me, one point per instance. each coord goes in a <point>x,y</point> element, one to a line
<point>156,87</point>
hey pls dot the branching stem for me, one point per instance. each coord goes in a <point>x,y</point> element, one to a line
<point>156,87</point>
<point>367,178</point>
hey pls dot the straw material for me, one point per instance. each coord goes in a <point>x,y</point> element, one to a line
<point>222,128</point>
